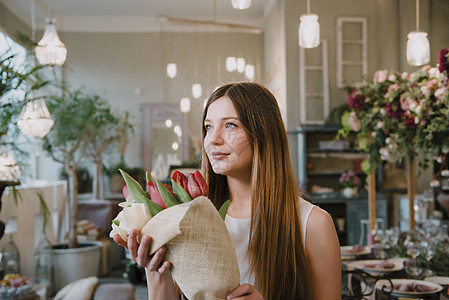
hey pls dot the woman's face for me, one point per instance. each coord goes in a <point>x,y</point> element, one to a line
<point>226,142</point>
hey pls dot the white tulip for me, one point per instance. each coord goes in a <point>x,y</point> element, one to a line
<point>132,217</point>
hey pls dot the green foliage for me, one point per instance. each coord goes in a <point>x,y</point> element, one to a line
<point>335,116</point>
<point>400,116</point>
<point>438,262</point>
<point>72,111</point>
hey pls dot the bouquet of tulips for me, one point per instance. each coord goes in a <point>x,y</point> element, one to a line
<point>183,219</point>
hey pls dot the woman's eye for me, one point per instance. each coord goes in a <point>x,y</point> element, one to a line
<point>208,127</point>
<point>230,125</point>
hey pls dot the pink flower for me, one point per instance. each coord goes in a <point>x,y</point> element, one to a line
<point>406,103</point>
<point>380,76</point>
<point>349,179</point>
<point>431,84</point>
<point>354,122</point>
<point>393,87</point>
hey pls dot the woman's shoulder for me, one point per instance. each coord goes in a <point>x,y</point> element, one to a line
<point>320,223</point>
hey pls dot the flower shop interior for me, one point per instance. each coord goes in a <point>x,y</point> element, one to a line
<point>362,86</point>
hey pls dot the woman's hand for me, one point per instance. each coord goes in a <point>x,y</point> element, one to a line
<point>159,279</point>
<point>245,292</point>
<point>139,253</point>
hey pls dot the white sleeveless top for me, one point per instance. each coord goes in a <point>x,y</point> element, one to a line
<point>239,232</point>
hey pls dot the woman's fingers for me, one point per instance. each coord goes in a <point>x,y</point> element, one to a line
<point>142,251</point>
<point>164,268</point>
<point>245,291</point>
<point>118,239</point>
<point>132,244</point>
<point>156,260</point>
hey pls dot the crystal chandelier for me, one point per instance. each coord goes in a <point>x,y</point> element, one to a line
<point>241,4</point>
<point>50,50</point>
<point>309,29</point>
<point>35,120</point>
<point>9,169</point>
<point>418,48</point>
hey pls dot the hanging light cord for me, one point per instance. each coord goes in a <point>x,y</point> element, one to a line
<point>417,15</point>
<point>308,6</point>
<point>33,22</point>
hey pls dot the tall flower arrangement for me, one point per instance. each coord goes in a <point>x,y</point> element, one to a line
<point>400,115</point>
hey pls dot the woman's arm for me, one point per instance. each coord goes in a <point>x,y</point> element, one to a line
<point>159,280</point>
<point>323,253</point>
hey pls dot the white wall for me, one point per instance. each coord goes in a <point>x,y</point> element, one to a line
<point>118,65</point>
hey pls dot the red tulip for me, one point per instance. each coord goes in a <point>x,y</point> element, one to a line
<point>180,179</point>
<point>125,192</point>
<point>155,196</point>
<point>196,185</point>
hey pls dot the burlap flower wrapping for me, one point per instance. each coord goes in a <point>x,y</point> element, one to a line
<point>199,248</point>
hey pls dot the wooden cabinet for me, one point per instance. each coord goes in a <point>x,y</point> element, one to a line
<point>320,162</point>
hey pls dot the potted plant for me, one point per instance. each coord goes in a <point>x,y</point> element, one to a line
<point>350,182</point>
<point>104,128</point>
<point>16,81</point>
<point>66,143</point>
<point>116,182</point>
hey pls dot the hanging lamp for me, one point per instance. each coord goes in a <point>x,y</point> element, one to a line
<point>9,169</point>
<point>35,120</point>
<point>197,90</point>
<point>172,70</point>
<point>418,47</point>
<point>50,50</point>
<point>309,29</point>
<point>184,105</point>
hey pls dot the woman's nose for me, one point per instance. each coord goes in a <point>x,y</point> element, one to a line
<point>215,137</point>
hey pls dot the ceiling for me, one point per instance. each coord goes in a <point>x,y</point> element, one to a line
<point>133,15</point>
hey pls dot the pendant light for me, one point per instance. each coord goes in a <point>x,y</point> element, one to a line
<point>50,50</point>
<point>172,70</point>
<point>197,90</point>
<point>418,48</point>
<point>9,169</point>
<point>309,29</point>
<point>241,4</point>
<point>35,120</point>
<point>184,105</point>
<point>231,63</point>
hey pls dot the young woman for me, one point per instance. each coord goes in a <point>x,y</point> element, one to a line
<point>286,247</point>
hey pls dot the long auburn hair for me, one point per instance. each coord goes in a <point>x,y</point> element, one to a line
<point>276,249</point>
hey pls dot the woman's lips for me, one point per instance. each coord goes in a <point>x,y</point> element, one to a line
<point>219,155</point>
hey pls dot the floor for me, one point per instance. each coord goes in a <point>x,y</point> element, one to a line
<point>118,275</point>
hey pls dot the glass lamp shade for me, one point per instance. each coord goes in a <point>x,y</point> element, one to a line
<point>418,48</point>
<point>241,64</point>
<point>197,90</point>
<point>172,70</point>
<point>35,120</point>
<point>9,169</point>
<point>50,50</point>
<point>250,72</point>
<point>178,131</point>
<point>309,31</point>
<point>231,64</point>
<point>241,4</point>
<point>185,105</point>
